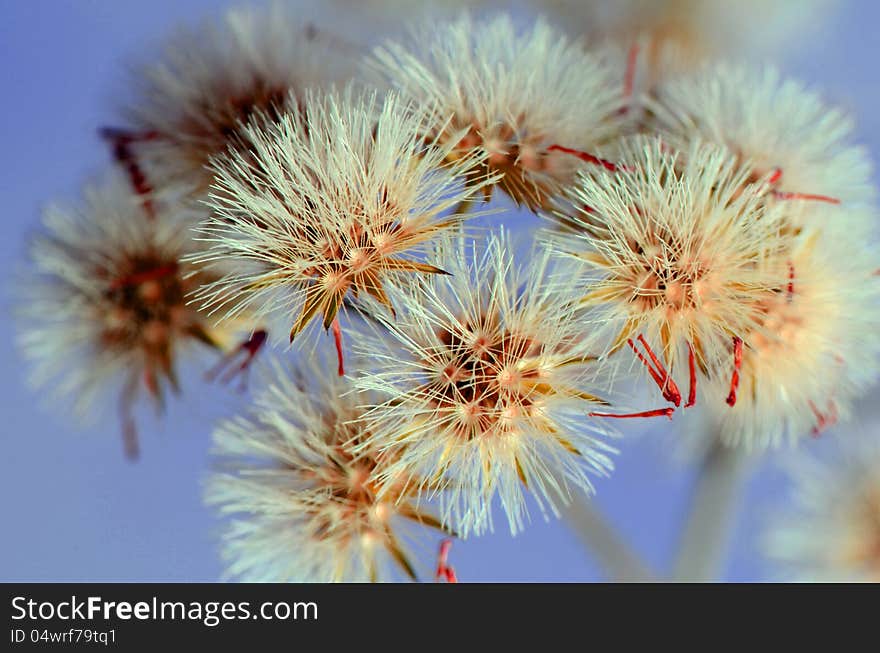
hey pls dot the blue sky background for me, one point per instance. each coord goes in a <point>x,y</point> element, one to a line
<point>73,509</point>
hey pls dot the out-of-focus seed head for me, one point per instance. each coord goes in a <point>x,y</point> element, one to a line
<point>213,80</point>
<point>801,149</point>
<point>830,529</point>
<point>105,307</point>
<point>700,29</point>
<point>297,473</point>
<point>814,348</point>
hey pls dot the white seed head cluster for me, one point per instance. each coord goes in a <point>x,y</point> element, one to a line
<point>513,93</point>
<point>714,228</point>
<point>773,125</point>
<point>297,474</point>
<point>487,381</point>
<point>334,201</point>
<point>830,529</point>
<point>213,80</point>
<point>681,250</point>
<point>106,307</point>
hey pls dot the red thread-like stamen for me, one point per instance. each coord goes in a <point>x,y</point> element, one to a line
<point>587,157</point>
<point>774,176</point>
<point>250,348</point>
<point>121,140</point>
<point>658,412</point>
<point>151,381</point>
<point>337,340</point>
<point>737,365</point>
<point>823,420</point>
<point>117,135</point>
<point>658,372</point>
<point>692,385</point>
<point>444,570</point>
<point>784,195</point>
<point>142,277</point>
<point>790,287</point>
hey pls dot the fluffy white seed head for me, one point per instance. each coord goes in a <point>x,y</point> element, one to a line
<point>682,251</point>
<point>213,79</point>
<point>104,308</point>
<point>815,346</point>
<point>774,124</point>
<point>513,93</point>
<point>335,201</point>
<point>830,529</point>
<point>296,473</point>
<point>487,381</point>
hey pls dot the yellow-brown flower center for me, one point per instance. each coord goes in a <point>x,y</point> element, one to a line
<point>146,304</point>
<point>490,378</point>
<point>519,158</point>
<point>664,276</point>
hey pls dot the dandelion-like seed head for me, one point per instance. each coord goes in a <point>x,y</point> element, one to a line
<point>107,303</point>
<point>800,148</point>
<point>814,346</point>
<point>514,94</point>
<point>831,529</point>
<point>215,79</point>
<point>487,380</point>
<point>681,254</point>
<point>298,475</point>
<point>332,202</point>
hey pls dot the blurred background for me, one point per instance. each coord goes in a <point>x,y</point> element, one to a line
<point>73,509</point>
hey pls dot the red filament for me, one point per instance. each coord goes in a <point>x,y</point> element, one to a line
<point>692,385</point>
<point>587,157</point>
<point>737,365</point>
<point>249,348</point>
<point>657,371</point>
<point>121,140</point>
<point>657,412</point>
<point>337,340</point>
<point>444,570</point>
